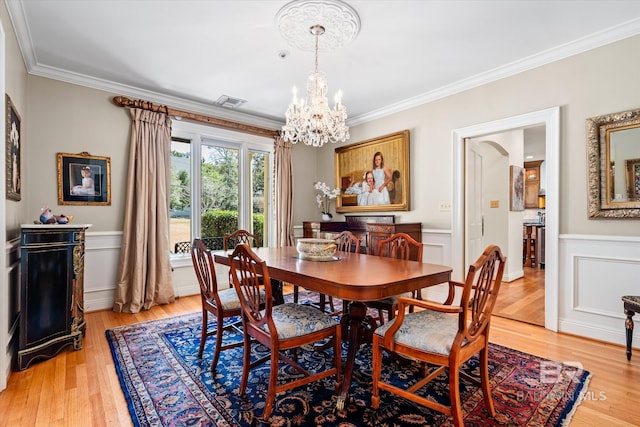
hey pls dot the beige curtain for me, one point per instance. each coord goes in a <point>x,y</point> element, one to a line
<point>144,276</point>
<point>283,187</point>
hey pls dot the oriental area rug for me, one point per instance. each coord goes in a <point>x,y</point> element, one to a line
<point>165,384</point>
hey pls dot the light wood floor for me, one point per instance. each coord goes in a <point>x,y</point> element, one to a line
<point>523,299</point>
<point>81,388</point>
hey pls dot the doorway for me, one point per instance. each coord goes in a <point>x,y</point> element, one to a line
<point>489,218</point>
<point>550,118</point>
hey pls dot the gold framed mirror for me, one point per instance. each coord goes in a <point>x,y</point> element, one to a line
<point>613,149</point>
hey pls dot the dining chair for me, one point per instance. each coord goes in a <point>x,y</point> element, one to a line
<point>346,241</point>
<point>230,241</point>
<point>282,327</point>
<point>222,304</point>
<point>445,335</point>
<point>400,246</point>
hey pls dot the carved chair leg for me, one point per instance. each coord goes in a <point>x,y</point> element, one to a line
<point>628,324</point>
<point>203,336</point>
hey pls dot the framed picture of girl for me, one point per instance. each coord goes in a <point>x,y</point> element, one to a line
<point>84,179</point>
<point>373,175</point>
<point>13,142</point>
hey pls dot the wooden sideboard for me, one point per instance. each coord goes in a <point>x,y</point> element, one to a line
<point>52,291</point>
<point>369,229</point>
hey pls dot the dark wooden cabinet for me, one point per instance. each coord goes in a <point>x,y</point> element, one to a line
<point>369,229</point>
<point>51,291</point>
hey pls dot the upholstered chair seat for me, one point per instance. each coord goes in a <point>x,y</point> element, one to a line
<point>441,328</point>
<point>229,299</point>
<point>295,320</point>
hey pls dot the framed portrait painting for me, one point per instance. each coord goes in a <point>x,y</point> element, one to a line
<point>516,188</point>
<point>84,179</point>
<point>373,175</point>
<point>12,155</point>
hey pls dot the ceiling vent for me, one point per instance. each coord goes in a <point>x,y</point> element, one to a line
<point>230,102</point>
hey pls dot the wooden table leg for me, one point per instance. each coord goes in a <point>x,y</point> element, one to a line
<point>359,328</point>
<point>276,290</point>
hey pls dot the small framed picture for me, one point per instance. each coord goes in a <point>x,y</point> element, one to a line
<point>84,179</point>
<point>13,142</point>
<point>516,192</point>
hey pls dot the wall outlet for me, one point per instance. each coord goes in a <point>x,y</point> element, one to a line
<point>494,203</point>
<point>445,206</point>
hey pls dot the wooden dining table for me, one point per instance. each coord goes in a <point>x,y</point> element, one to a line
<point>356,278</point>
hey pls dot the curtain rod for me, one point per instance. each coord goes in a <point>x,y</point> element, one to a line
<point>125,102</point>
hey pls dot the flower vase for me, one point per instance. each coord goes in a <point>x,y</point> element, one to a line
<point>326,217</point>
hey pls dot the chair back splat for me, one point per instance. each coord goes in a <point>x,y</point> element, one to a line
<point>232,240</point>
<point>481,294</point>
<point>399,246</point>
<point>249,273</point>
<point>347,242</point>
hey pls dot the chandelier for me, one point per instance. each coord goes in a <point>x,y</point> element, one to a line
<point>311,121</point>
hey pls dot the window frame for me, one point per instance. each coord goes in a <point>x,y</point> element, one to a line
<point>199,135</point>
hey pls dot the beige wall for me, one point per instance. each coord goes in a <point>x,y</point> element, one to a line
<point>66,118</point>
<point>16,88</point>
<point>600,81</point>
<point>14,76</point>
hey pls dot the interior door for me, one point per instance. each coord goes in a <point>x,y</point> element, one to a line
<point>473,204</point>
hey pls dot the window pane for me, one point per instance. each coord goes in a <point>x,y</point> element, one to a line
<point>259,194</point>
<point>180,200</point>
<point>219,193</point>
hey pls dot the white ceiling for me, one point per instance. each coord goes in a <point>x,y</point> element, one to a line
<point>188,53</point>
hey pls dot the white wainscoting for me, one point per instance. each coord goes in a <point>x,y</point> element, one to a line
<point>11,306</point>
<point>101,257</point>
<point>595,272</point>
<point>436,250</point>
<point>102,254</point>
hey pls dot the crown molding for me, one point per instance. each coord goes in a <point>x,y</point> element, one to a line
<point>602,38</point>
<point>593,41</point>
<point>23,35</point>
<point>155,97</point>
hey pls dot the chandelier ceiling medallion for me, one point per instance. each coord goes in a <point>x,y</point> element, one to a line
<point>301,23</point>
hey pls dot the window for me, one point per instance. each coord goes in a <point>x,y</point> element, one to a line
<point>220,181</point>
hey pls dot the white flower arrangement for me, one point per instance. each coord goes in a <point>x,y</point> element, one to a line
<point>325,196</point>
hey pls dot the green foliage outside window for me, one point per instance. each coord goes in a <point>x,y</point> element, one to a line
<point>217,223</point>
